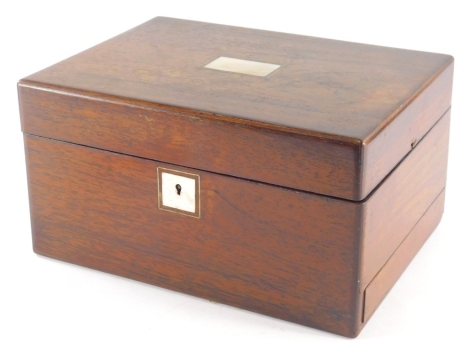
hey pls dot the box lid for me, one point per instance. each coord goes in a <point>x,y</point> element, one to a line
<point>312,114</point>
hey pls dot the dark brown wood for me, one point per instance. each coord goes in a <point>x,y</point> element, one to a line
<point>401,258</point>
<point>335,119</point>
<point>397,137</point>
<point>271,250</point>
<point>179,137</point>
<point>396,206</point>
<point>289,254</point>
<point>318,183</point>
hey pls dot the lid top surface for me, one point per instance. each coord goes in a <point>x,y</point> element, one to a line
<point>322,86</point>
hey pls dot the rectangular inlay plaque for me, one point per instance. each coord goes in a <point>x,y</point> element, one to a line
<point>179,192</point>
<point>247,67</point>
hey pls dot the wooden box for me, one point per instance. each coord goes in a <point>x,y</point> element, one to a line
<point>288,175</point>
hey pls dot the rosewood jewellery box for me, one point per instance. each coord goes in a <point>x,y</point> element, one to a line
<point>288,175</point>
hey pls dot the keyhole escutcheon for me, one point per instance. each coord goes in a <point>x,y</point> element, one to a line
<point>178,189</point>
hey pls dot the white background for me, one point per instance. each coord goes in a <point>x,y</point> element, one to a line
<point>47,305</point>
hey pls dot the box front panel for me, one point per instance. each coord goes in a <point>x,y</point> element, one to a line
<point>288,254</point>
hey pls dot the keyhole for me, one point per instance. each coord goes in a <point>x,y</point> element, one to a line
<point>178,189</point>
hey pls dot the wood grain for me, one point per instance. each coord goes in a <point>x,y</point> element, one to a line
<point>184,138</point>
<point>323,86</point>
<point>386,148</point>
<point>333,116</point>
<point>383,282</point>
<point>283,253</point>
<point>396,206</point>
<point>314,180</point>
<point>288,254</point>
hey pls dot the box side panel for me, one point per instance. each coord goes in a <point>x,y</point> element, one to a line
<point>401,200</point>
<point>401,258</point>
<point>287,254</point>
<point>386,148</point>
<point>196,140</point>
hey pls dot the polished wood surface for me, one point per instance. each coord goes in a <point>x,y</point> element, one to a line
<point>271,250</point>
<point>319,182</point>
<point>401,258</point>
<point>294,255</point>
<point>323,86</point>
<point>396,206</point>
<point>184,138</point>
<point>385,149</point>
<point>355,100</point>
